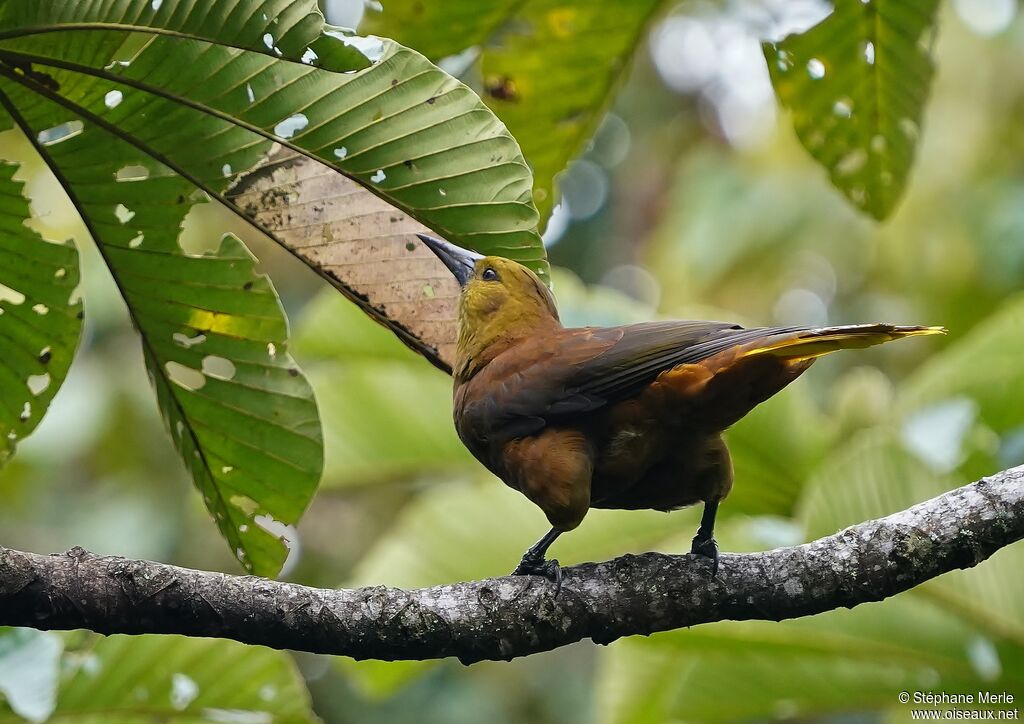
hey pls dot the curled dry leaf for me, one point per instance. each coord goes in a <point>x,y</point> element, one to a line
<point>363,245</point>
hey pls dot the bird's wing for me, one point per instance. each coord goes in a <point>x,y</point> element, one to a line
<point>582,370</point>
<point>643,351</point>
<point>551,380</point>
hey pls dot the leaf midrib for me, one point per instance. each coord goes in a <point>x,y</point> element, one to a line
<point>407,336</point>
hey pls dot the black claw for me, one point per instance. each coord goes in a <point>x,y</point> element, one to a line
<point>708,548</point>
<point>548,569</point>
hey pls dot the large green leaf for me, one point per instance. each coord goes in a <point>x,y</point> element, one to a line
<point>944,420</point>
<point>549,67</point>
<point>806,668</point>
<point>176,93</point>
<point>875,475</point>
<point>211,87</point>
<point>774,448</point>
<point>856,85</point>
<point>871,476</point>
<point>40,318</point>
<point>975,385</point>
<point>29,672</point>
<point>129,679</point>
<point>214,335</point>
<point>947,419</point>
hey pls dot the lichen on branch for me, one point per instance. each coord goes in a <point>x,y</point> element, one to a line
<point>503,618</point>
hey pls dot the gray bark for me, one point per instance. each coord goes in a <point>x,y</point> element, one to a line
<point>502,618</point>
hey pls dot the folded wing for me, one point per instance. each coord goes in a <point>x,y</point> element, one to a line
<point>553,382</point>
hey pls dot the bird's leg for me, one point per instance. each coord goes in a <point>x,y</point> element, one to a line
<point>534,563</point>
<point>704,542</point>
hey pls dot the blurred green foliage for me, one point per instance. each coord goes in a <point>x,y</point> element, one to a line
<point>856,85</point>
<point>672,210</point>
<point>132,680</point>
<point>547,68</point>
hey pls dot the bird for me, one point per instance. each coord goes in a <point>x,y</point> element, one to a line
<point>625,417</point>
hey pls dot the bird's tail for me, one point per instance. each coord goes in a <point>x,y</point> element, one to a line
<point>807,344</point>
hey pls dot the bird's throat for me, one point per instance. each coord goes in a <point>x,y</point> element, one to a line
<point>481,342</point>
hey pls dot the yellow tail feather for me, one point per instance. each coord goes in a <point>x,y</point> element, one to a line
<point>799,346</point>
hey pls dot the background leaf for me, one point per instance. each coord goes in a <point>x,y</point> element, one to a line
<point>985,366</point>
<point>809,668</point>
<point>40,316</point>
<point>432,539</point>
<point>856,85</point>
<point>214,335</point>
<point>960,632</point>
<point>956,417</point>
<point>875,475</point>
<point>29,672</point>
<point>812,667</point>
<point>129,679</point>
<point>387,416</point>
<point>773,450</point>
<point>549,68</point>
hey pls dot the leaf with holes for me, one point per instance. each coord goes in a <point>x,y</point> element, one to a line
<point>364,246</point>
<point>206,88</point>
<point>174,679</point>
<point>856,85</point>
<point>549,68</point>
<point>214,334</point>
<point>169,103</point>
<point>40,322</point>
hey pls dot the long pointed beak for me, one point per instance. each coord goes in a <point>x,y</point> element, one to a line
<point>460,262</point>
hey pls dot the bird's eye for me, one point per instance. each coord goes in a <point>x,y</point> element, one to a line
<point>489,275</point>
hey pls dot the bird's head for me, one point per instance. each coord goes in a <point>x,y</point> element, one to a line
<point>501,302</point>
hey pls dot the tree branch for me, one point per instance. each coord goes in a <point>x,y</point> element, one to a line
<point>502,618</point>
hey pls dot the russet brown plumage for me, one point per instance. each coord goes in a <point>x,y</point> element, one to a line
<point>627,417</point>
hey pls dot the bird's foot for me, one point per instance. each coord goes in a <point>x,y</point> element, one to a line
<point>538,566</point>
<point>708,548</point>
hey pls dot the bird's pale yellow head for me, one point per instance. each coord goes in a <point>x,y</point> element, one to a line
<point>502,301</point>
